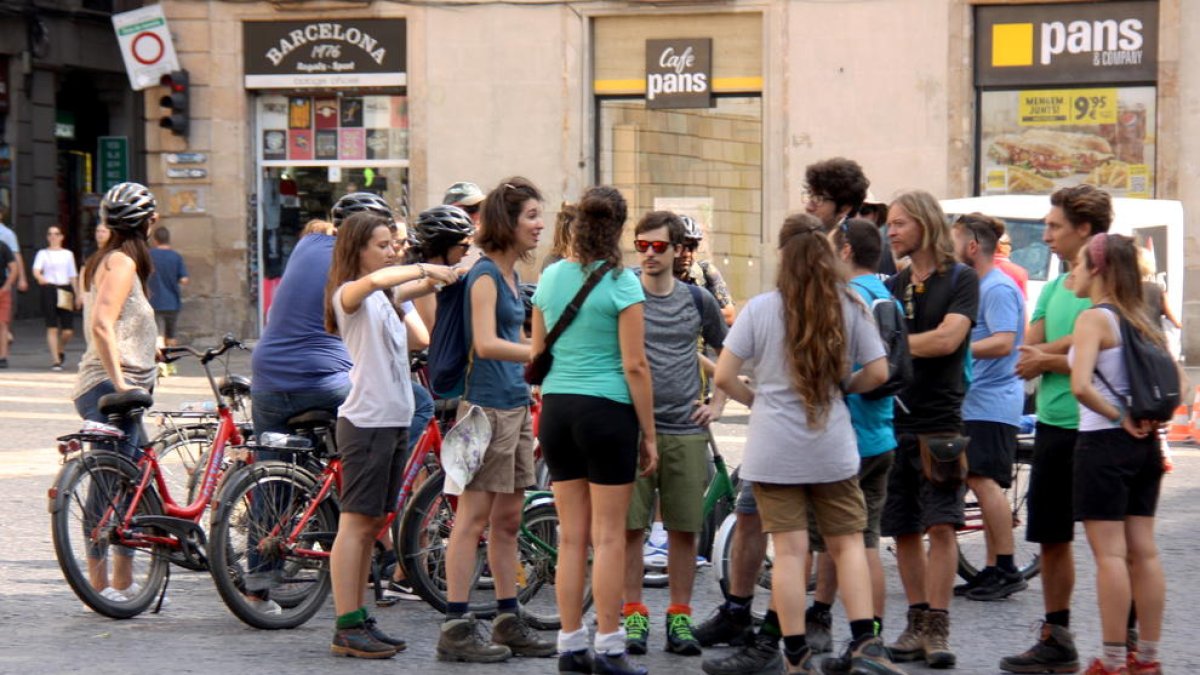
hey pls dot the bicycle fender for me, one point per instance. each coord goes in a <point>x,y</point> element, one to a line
<point>57,497</point>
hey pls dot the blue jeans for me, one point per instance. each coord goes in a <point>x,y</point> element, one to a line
<point>422,413</point>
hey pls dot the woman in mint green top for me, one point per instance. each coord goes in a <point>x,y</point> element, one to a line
<point>595,401</point>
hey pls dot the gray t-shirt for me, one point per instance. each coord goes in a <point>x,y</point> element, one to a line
<point>673,327</point>
<point>781,448</point>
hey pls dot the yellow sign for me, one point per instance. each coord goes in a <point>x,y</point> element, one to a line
<point>1139,181</point>
<point>1061,107</point>
<point>1012,44</point>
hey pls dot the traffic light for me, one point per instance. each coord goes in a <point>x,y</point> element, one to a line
<point>176,102</point>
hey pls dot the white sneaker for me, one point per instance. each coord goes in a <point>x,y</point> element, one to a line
<point>654,556</point>
<point>110,594</point>
<point>264,606</point>
<point>136,588</point>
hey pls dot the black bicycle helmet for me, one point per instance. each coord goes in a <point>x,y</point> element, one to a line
<point>127,206</point>
<point>527,291</point>
<point>442,226</point>
<point>691,229</point>
<point>357,202</point>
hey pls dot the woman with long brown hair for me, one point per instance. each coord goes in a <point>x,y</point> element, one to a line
<point>373,420</point>
<point>801,452</point>
<point>1118,463</point>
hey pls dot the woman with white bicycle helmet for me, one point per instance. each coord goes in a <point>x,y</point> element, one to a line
<point>702,272</point>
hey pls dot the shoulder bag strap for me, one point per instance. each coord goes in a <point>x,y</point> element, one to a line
<point>572,309</point>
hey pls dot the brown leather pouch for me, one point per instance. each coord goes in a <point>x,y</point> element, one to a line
<point>944,459</point>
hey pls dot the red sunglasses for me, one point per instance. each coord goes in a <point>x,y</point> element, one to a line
<point>659,247</point>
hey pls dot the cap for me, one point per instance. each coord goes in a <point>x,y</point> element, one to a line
<point>463,194</point>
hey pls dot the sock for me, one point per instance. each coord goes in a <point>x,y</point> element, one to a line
<point>455,610</point>
<point>1005,563</point>
<point>679,609</point>
<point>507,606</point>
<point>352,619</point>
<point>612,644</point>
<point>879,625</point>
<point>1147,651</point>
<point>1114,655</point>
<point>819,606</point>
<point>923,606</point>
<point>794,647</point>
<point>1132,623</point>
<point>860,631</point>
<point>575,641</point>
<point>770,626</point>
<point>1060,618</point>
<point>631,607</point>
<point>738,603</point>
<point>658,535</point>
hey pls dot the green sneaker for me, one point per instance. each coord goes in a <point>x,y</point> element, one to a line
<point>680,639</point>
<point>637,631</point>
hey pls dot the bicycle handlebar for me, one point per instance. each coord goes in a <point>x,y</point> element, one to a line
<point>174,353</point>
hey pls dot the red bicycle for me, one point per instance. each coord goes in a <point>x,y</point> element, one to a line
<point>112,504</point>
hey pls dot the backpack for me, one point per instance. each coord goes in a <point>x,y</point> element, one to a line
<point>1154,388</point>
<point>449,350</point>
<point>894,333</point>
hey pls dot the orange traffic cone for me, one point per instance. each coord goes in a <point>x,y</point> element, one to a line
<point>1180,429</point>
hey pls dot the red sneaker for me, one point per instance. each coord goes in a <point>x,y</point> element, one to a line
<point>1136,667</point>
<point>1097,668</point>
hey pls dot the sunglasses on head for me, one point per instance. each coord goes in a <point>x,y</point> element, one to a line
<point>659,247</point>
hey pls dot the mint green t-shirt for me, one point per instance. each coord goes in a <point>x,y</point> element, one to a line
<point>1058,307</point>
<point>587,356</point>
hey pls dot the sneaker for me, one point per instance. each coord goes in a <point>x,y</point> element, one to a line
<point>724,627</point>
<point>681,639</point>
<point>575,662</point>
<point>136,588</point>
<point>654,556</point>
<point>974,582</point>
<point>607,664</point>
<point>358,642</point>
<point>110,594</point>
<point>760,655</point>
<point>400,590</point>
<point>1054,652</point>
<point>910,646</point>
<point>514,632</point>
<point>3,363</point>
<point>998,586</point>
<point>937,640</point>
<point>463,640</point>
<point>372,627</point>
<point>265,606</point>
<point>1097,668</point>
<point>870,658</point>
<point>637,631</point>
<point>818,630</point>
<point>1136,667</point>
<point>57,367</point>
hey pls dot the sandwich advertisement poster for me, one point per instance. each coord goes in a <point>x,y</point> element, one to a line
<point>1036,140</point>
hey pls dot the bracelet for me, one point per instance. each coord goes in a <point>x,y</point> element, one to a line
<point>421,266</point>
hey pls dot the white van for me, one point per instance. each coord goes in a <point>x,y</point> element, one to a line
<point>1157,224</point>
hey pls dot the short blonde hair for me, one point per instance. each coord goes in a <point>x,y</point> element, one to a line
<point>317,226</point>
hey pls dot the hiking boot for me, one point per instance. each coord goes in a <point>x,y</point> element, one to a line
<point>818,630</point>
<point>637,631</point>
<point>910,646</point>
<point>462,640</point>
<point>760,655</point>
<point>681,639</point>
<point>1054,652</point>
<point>974,582</point>
<point>838,665</point>
<point>359,642</point>
<point>998,586</point>
<point>937,640</point>
<point>372,627</point>
<point>1136,667</point>
<point>724,627</point>
<point>575,662</point>
<point>870,658</point>
<point>513,632</point>
<point>1097,668</point>
<point>607,664</point>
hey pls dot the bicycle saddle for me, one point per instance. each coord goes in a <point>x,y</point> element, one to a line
<point>234,385</point>
<point>122,403</point>
<point>311,419</point>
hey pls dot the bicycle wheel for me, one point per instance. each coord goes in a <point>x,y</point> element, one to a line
<point>182,453</point>
<point>424,540</point>
<point>93,493</point>
<point>972,544</point>
<point>249,557</point>
<point>537,546</point>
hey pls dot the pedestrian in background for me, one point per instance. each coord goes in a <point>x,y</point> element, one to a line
<point>54,269</point>
<point>8,280</point>
<point>18,283</point>
<point>560,248</point>
<point>170,275</point>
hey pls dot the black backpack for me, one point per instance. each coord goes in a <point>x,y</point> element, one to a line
<point>1154,388</point>
<point>894,333</point>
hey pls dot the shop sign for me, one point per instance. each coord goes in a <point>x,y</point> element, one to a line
<point>112,161</point>
<point>679,73</point>
<point>64,125</point>
<point>146,45</point>
<point>1066,44</point>
<point>310,54</point>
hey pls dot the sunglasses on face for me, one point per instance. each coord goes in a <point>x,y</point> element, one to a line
<point>470,210</point>
<point>659,247</point>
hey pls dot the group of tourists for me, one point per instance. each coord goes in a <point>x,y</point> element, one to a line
<point>855,432</point>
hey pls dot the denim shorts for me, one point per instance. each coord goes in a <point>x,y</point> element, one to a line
<point>88,407</point>
<point>272,409</point>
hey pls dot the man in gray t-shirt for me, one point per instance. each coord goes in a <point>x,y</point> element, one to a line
<point>677,316</point>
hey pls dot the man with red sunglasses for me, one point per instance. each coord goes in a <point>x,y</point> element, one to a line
<point>677,315</point>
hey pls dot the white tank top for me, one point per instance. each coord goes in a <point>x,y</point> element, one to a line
<point>1111,363</point>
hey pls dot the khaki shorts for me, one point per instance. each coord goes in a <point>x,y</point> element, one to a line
<point>680,480</point>
<point>508,461</point>
<point>839,507</point>
<point>872,479</point>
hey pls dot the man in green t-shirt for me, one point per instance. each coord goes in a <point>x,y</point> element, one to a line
<point>1076,213</point>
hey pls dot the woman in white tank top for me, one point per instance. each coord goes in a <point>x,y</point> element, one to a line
<point>1118,464</point>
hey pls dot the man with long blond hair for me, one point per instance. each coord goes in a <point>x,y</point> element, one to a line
<point>940,299</point>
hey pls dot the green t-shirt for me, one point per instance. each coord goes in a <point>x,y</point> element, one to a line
<point>1058,307</point>
<point>587,356</point>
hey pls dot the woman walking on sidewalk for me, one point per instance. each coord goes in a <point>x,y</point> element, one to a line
<point>1118,464</point>
<point>54,269</point>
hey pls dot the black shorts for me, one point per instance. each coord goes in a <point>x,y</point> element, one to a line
<point>1116,475</point>
<point>167,318</point>
<point>913,504</point>
<point>62,319</point>
<point>1051,504</point>
<point>372,467</point>
<point>589,437</point>
<point>992,451</point>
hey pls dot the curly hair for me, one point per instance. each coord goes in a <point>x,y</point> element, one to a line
<point>810,285</point>
<point>1085,204</point>
<point>598,225</point>
<point>840,179</point>
<point>501,210</point>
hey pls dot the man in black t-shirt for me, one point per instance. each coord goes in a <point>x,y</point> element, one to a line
<point>941,300</point>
